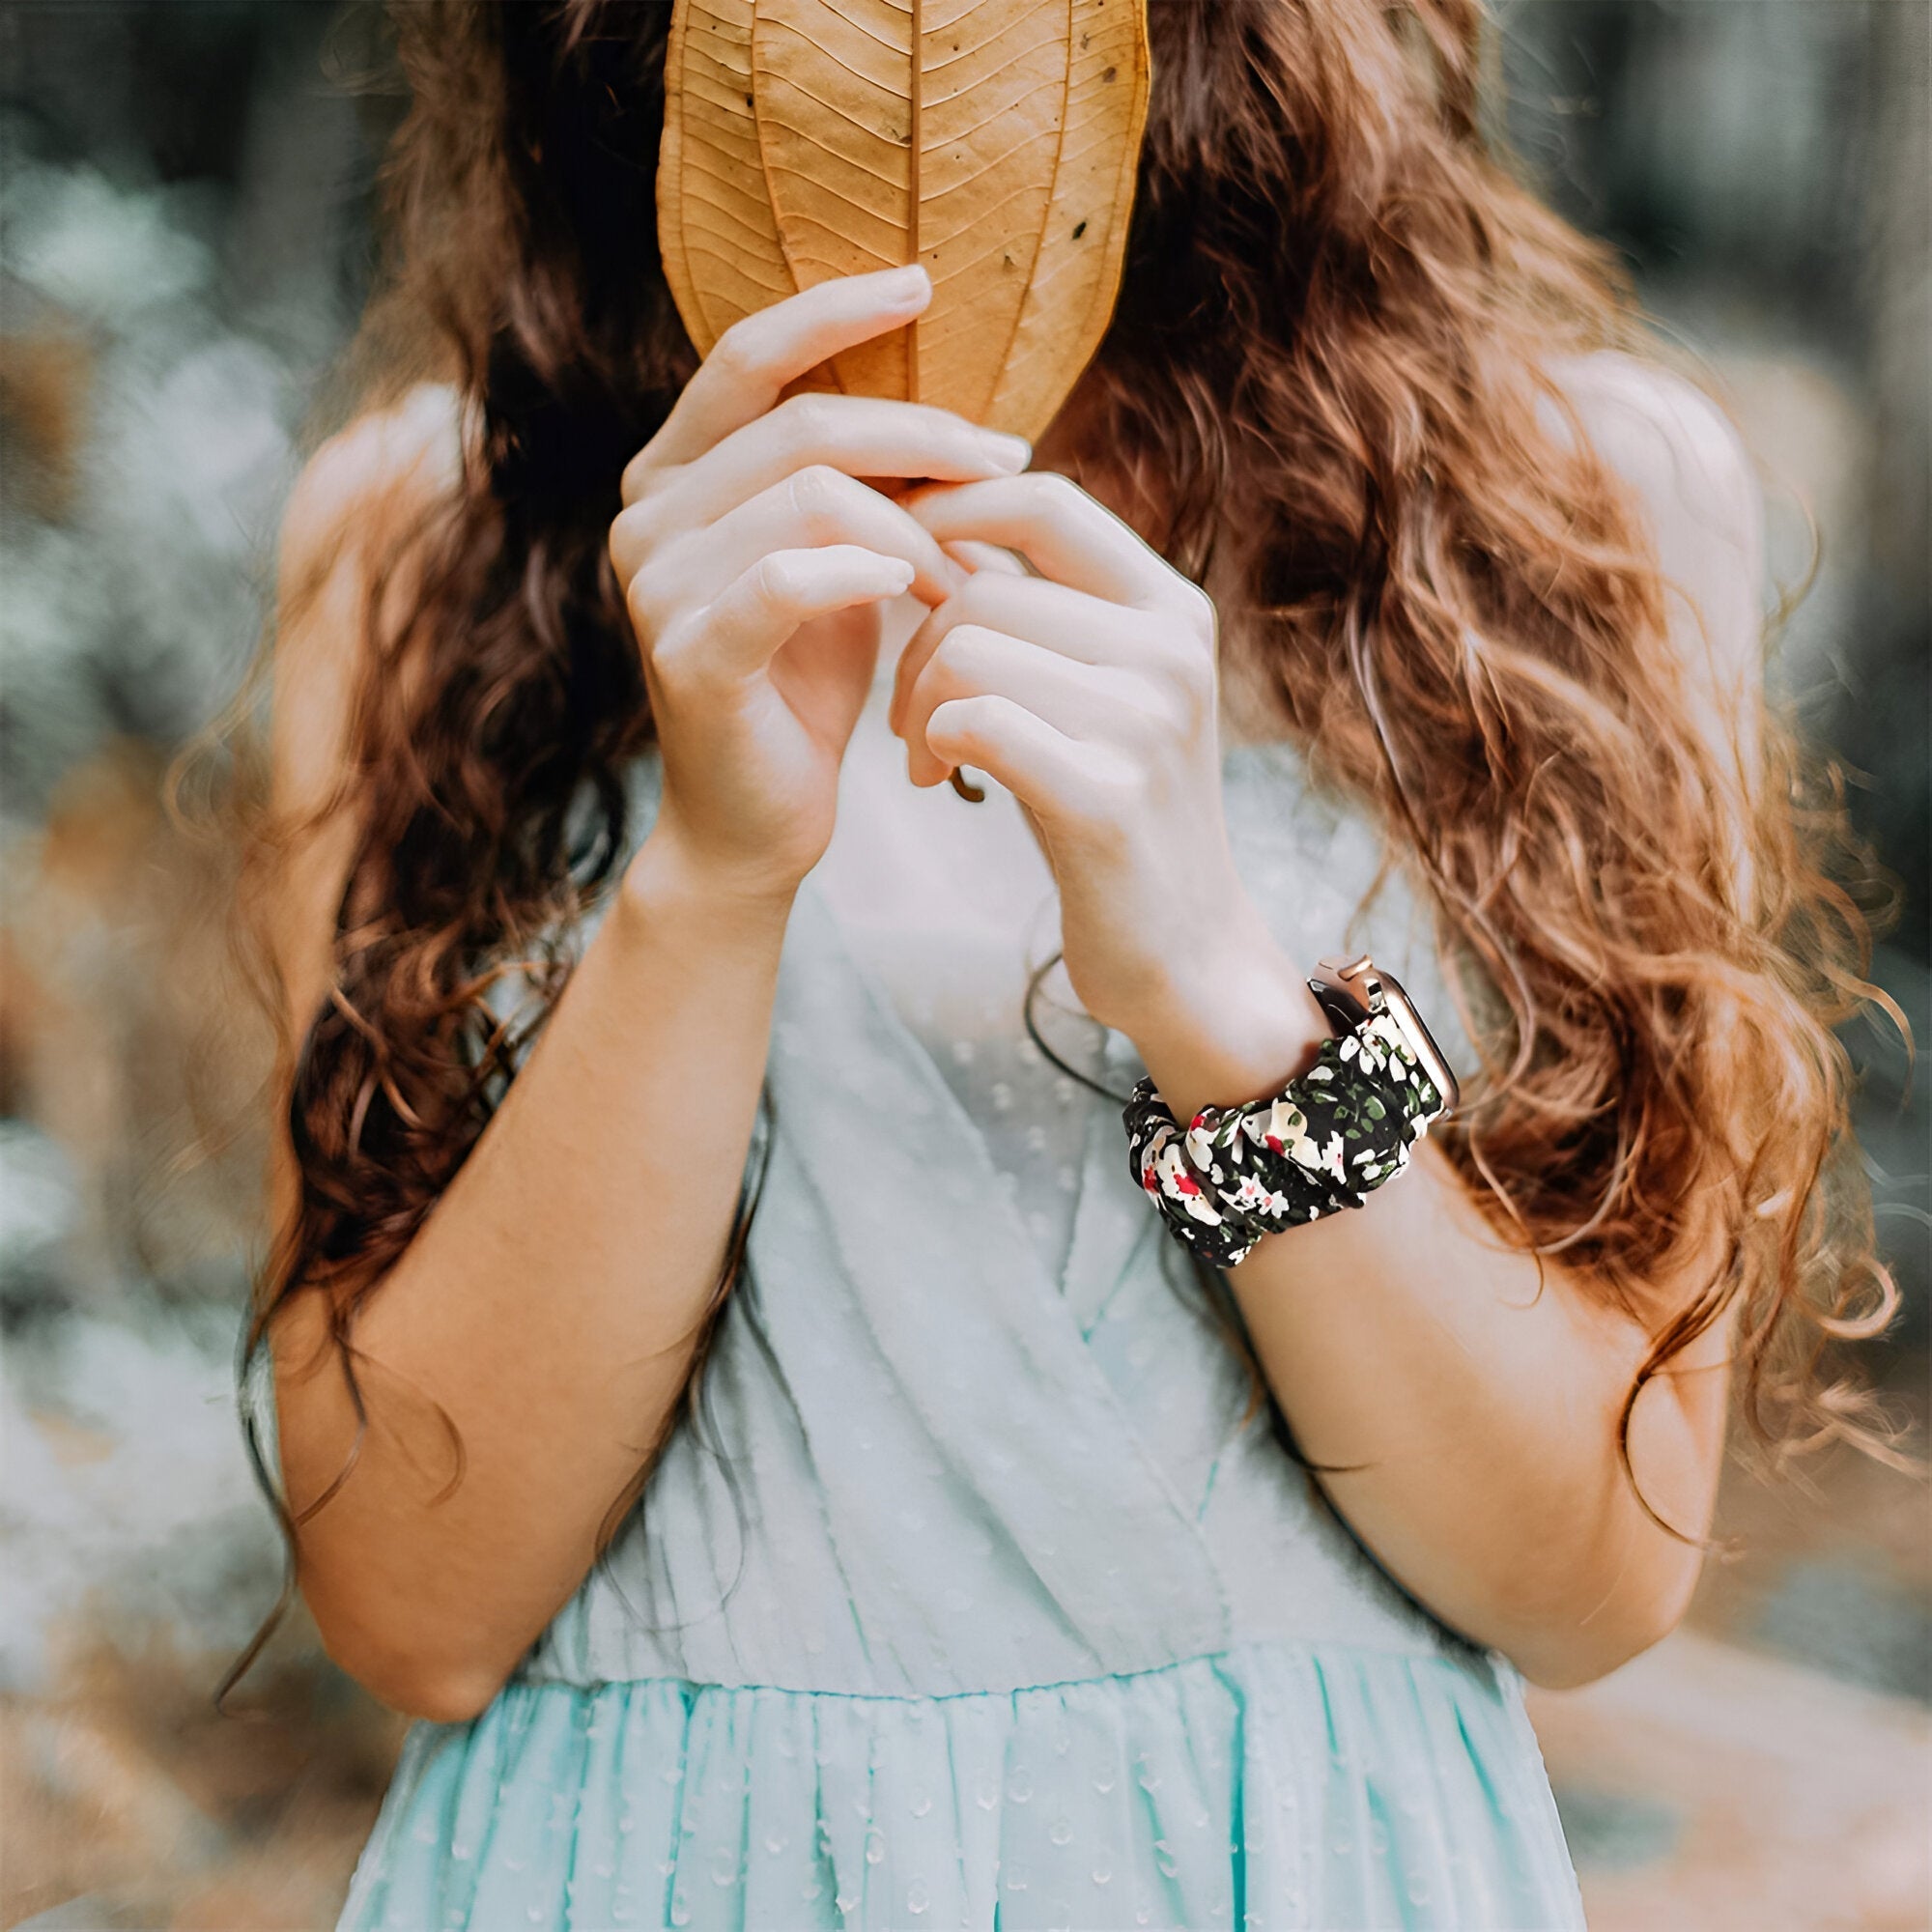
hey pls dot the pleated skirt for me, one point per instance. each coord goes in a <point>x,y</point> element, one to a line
<point>1268,1786</point>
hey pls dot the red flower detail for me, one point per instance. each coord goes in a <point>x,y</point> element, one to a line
<point>1273,1141</point>
<point>1186,1187</point>
<point>1198,1121</point>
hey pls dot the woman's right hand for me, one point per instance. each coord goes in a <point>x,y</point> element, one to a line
<point>753,560</point>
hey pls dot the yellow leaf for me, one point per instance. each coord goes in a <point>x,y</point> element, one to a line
<point>995,141</point>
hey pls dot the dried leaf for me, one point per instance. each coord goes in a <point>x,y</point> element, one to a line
<point>804,139</point>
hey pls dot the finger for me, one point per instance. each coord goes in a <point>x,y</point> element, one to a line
<point>736,637</point>
<point>1061,530</point>
<point>1081,700</point>
<point>1064,780</point>
<point>978,556</point>
<point>816,505</point>
<point>1047,614</point>
<point>752,362</point>
<point>864,436</point>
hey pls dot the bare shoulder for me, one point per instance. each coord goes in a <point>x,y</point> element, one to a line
<point>1658,428</point>
<point>362,487</point>
<point>410,450</point>
<point>1692,479</point>
<point>359,493</point>
<point>1683,458</point>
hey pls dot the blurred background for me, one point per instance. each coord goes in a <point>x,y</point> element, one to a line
<point>186,191</point>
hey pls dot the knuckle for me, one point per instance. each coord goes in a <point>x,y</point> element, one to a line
<point>738,352</point>
<point>778,579</point>
<point>970,712</point>
<point>645,474</point>
<point>649,619</point>
<point>628,538</point>
<point>810,420</point>
<point>815,495</point>
<point>1050,491</point>
<point>667,653</point>
<point>640,600</point>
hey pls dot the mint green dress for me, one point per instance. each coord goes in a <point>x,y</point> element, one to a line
<point>974,1603</point>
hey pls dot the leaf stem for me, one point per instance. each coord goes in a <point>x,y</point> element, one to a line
<point>917,92</point>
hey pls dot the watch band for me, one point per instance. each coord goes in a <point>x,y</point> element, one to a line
<point>1323,1144</point>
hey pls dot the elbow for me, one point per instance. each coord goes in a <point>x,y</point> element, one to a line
<point>416,1660</point>
<point>1568,1655</point>
<point>438,1690</point>
<point>1570,1663</point>
<point>445,1700</point>
<point>434,1695</point>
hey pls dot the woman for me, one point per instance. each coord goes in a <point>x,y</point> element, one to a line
<point>854,1510</point>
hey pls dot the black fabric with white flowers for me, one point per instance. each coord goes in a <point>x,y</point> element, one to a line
<point>1332,1137</point>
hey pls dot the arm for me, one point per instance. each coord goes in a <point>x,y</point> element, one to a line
<point>1403,1336</point>
<point>1486,1412</point>
<point>552,1299</point>
<point>520,1306</point>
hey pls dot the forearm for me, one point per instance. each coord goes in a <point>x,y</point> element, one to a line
<point>1478,1416</point>
<point>550,1304</point>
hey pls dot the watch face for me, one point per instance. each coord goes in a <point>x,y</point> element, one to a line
<point>1422,1042</point>
<point>1354,990</point>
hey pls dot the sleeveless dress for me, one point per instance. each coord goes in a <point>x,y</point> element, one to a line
<point>972,1602</point>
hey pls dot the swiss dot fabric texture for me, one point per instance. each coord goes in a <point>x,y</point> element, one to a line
<point>972,1602</point>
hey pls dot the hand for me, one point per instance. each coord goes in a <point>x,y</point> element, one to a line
<point>1091,692</point>
<point>754,559</point>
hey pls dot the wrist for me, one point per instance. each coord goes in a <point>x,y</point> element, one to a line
<point>1240,1024</point>
<point>667,880</point>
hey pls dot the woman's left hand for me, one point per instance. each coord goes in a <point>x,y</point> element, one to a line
<point>1091,693</point>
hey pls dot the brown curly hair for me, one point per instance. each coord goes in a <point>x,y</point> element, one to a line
<point>1336,303</point>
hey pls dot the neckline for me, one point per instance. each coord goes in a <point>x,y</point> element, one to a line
<point>912,1052</point>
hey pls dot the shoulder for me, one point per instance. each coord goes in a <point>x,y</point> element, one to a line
<point>1694,487</point>
<point>402,456</point>
<point>414,443</point>
<point>346,530</point>
<point>1654,425</point>
<point>1680,456</point>
<point>362,489</point>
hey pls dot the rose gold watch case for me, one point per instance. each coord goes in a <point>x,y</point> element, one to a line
<point>1354,990</point>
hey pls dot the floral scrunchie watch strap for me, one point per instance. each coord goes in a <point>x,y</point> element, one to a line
<point>1235,1174</point>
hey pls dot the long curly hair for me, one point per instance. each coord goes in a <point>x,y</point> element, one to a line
<point>1336,299</point>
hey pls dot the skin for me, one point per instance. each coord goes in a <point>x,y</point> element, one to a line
<point>761,535</point>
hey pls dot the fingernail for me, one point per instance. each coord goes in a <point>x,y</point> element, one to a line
<point>909,283</point>
<point>1012,453</point>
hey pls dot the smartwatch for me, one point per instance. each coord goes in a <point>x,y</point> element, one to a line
<point>1358,994</point>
